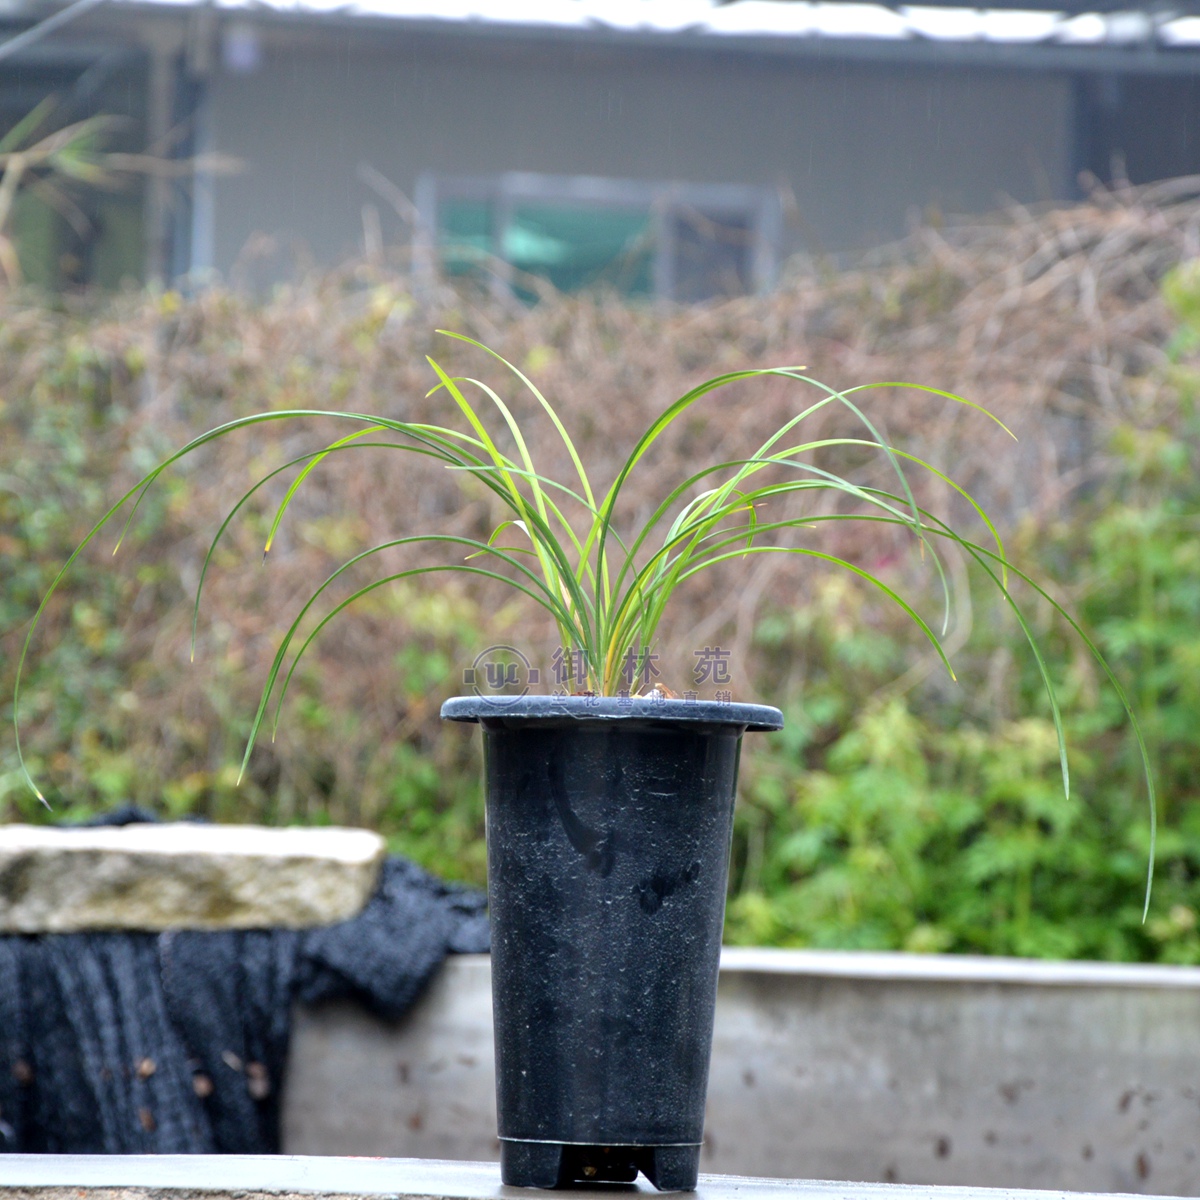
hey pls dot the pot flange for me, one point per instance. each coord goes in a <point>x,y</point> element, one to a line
<point>566,710</point>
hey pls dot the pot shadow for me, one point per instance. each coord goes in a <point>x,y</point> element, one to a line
<point>599,850</point>
<point>655,888</point>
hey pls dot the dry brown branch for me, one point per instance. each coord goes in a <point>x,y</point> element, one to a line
<point>1051,319</point>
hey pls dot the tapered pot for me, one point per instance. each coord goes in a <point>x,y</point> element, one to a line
<point>608,831</point>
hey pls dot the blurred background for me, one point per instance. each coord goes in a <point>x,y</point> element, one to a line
<point>211,209</point>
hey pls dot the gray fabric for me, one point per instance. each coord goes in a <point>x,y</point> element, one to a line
<point>128,1043</point>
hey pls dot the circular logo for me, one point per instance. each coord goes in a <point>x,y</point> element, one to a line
<point>500,673</point>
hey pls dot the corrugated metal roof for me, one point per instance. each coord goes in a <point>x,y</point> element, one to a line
<point>702,20</point>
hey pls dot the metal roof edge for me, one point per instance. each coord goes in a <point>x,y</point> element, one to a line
<point>1151,58</point>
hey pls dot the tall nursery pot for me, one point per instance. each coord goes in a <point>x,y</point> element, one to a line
<point>608,833</point>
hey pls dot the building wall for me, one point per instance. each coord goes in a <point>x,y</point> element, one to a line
<point>859,147</point>
<point>1139,128</point>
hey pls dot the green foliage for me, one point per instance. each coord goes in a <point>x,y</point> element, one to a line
<point>605,593</point>
<point>110,713</point>
<point>907,833</point>
<point>913,815</point>
<point>934,823</point>
<point>51,177</point>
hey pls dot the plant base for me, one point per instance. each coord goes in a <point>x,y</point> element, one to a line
<point>561,1165</point>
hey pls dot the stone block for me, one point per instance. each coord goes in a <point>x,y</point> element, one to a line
<point>182,876</point>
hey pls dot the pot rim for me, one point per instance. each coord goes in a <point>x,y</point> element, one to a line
<point>752,718</point>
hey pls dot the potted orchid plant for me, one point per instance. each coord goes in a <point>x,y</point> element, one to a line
<point>609,805</point>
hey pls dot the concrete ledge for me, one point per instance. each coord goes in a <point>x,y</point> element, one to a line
<point>176,1177</point>
<point>183,876</point>
<point>955,968</point>
<point>880,1067</point>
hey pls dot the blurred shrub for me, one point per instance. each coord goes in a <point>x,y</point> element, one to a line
<point>932,822</point>
<point>112,710</point>
<point>896,810</point>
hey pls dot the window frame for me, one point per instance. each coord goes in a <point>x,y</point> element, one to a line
<point>759,206</point>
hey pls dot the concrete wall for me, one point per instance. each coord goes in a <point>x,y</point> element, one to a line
<point>829,1066</point>
<point>858,146</point>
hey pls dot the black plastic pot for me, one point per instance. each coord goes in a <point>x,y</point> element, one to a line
<point>608,828</point>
